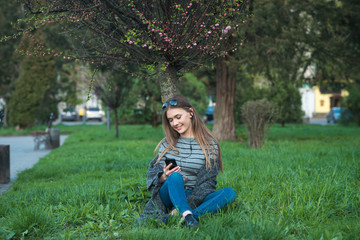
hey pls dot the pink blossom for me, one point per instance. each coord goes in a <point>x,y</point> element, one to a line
<point>216,25</point>
<point>228,28</point>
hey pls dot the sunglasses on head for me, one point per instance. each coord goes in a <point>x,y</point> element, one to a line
<point>171,102</point>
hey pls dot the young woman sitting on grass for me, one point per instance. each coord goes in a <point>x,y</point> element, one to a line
<point>188,185</point>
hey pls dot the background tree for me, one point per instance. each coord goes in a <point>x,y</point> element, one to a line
<point>352,103</point>
<point>10,11</point>
<point>32,88</point>
<point>112,87</point>
<point>250,87</point>
<point>224,121</point>
<point>70,84</point>
<point>279,47</point>
<point>285,38</point>
<point>195,90</point>
<point>286,96</point>
<point>147,101</point>
<point>337,58</point>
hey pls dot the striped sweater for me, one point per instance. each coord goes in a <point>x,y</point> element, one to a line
<point>189,157</point>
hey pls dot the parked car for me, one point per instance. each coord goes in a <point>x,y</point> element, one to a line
<point>94,113</point>
<point>210,114</point>
<point>337,113</point>
<point>68,114</point>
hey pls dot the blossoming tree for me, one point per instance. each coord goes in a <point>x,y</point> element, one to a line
<point>168,35</point>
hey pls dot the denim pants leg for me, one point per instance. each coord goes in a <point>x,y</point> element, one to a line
<point>172,193</point>
<point>215,201</point>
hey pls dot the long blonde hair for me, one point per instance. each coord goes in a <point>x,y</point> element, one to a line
<point>201,133</point>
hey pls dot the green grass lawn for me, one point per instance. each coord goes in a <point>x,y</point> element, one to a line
<point>303,184</point>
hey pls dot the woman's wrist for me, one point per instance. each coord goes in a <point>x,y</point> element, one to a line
<point>162,177</point>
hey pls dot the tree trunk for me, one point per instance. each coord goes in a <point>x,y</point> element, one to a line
<point>168,80</point>
<point>282,123</point>
<point>116,123</point>
<point>5,123</point>
<point>108,118</point>
<point>224,122</point>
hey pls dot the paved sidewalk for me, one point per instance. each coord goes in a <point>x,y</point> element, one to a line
<point>319,121</point>
<point>22,155</point>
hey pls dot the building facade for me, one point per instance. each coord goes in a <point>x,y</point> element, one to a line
<point>318,102</point>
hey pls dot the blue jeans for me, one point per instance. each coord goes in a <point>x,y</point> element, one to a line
<point>173,194</point>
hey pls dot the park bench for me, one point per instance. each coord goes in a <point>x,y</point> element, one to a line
<point>42,137</point>
<point>45,137</point>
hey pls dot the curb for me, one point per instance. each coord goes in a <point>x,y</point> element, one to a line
<point>4,188</point>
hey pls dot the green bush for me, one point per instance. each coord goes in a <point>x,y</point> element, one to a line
<point>352,103</point>
<point>257,117</point>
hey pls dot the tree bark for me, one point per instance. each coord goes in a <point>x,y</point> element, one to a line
<point>168,81</point>
<point>116,123</point>
<point>5,123</point>
<point>224,122</point>
<point>108,118</point>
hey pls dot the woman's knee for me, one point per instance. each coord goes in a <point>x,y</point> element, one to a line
<point>230,194</point>
<point>175,177</point>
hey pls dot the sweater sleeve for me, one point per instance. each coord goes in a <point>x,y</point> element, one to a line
<point>153,173</point>
<point>205,185</point>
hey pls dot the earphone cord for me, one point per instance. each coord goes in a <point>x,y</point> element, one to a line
<point>190,149</point>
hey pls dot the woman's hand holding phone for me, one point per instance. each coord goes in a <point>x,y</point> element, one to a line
<point>168,170</point>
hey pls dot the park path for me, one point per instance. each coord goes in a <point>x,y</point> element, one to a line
<point>22,155</point>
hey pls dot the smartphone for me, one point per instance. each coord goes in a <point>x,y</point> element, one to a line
<point>168,161</point>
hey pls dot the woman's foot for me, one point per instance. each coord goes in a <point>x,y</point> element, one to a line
<point>190,221</point>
